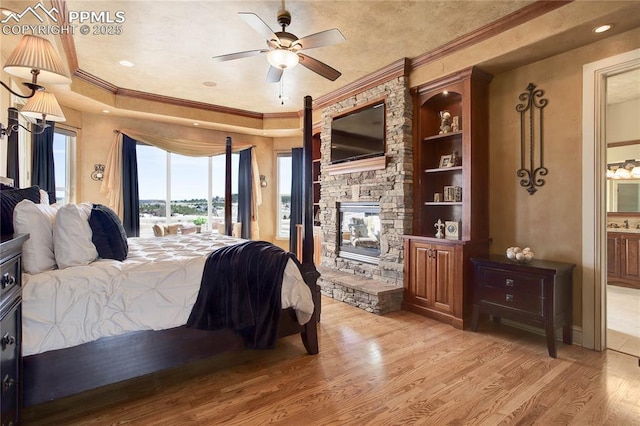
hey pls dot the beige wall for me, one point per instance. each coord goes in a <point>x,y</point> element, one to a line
<point>550,220</point>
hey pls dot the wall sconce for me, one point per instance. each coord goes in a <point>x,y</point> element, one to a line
<point>263,181</point>
<point>34,57</point>
<point>629,169</point>
<point>98,172</point>
<point>42,106</point>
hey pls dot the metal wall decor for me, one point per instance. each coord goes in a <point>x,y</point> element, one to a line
<point>531,136</point>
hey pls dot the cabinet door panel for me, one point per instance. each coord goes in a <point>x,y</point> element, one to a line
<point>613,257</point>
<point>443,263</point>
<point>630,258</point>
<point>420,254</point>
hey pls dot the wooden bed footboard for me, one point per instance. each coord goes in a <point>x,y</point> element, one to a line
<point>56,374</point>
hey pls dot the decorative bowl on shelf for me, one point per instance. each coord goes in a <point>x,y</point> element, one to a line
<point>518,255</point>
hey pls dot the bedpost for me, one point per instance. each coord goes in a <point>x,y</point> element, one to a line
<point>309,271</point>
<point>227,189</point>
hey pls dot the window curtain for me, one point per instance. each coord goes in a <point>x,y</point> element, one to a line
<point>130,199</point>
<point>42,167</point>
<point>244,193</point>
<point>296,198</point>
<point>199,145</point>
<point>112,181</point>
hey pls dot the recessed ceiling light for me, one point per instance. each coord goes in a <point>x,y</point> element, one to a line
<point>126,63</point>
<point>196,124</point>
<point>210,83</point>
<point>106,111</point>
<point>602,28</point>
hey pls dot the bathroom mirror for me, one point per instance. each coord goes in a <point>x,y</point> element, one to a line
<point>623,196</point>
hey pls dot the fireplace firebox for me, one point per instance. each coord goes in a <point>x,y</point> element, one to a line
<point>359,231</point>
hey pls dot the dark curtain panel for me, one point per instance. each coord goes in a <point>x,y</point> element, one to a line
<point>131,201</point>
<point>296,197</point>
<point>43,170</point>
<point>13,167</point>
<point>244,193</point>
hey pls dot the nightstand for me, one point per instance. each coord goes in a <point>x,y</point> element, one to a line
<point>11,327</point>
<point>538,293</point>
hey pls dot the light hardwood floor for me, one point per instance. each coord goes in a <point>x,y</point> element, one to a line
<point>397,369</point>
<point>623,319</point>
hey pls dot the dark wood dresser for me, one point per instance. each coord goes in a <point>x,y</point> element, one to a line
<point>11,327</point>
<point>538,293</point>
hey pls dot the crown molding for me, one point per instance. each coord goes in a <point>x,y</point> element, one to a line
<point>492,29</point>
<point>400,68</point>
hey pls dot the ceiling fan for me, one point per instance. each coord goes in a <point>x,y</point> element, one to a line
<point>284,48</point>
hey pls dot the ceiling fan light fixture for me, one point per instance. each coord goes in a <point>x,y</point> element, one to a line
<point>282,58</point>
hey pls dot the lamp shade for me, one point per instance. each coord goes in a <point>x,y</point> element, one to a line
<point>43,103</point>
<point>36,53</point>
<point>282,58</point>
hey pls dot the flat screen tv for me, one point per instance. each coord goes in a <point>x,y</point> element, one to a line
<point>358,134</point>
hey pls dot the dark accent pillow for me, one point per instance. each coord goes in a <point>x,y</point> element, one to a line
<point>8,200</point>
<point>108,234</point>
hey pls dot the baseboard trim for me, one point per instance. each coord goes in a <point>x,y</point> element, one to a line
<point>576,331</point>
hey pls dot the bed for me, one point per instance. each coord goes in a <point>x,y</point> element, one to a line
<point>69,348</point>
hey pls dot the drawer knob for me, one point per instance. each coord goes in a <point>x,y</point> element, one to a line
<point>509,298</point>
<point>508,282</point>
<point>8,280</point>
<point>7,340</point>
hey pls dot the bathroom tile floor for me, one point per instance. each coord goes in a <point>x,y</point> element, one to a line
<point>623,319</point>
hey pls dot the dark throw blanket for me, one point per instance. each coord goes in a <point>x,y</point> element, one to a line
<point>241,290</point>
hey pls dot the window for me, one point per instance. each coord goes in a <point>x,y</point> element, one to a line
<point>64,142</point>
<point>284,195</point>
<point>176,188</point>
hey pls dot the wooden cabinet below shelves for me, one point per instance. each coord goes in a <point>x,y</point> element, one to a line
<point>438,278</point>
<point>623,259</point>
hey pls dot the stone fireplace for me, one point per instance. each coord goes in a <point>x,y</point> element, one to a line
<point>367,244</point>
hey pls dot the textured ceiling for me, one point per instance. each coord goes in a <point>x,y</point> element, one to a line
<point>172,44</point>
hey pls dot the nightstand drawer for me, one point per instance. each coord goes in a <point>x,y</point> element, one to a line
<point>515,300</point>
<point>10,332</point>
<point>511,281</point>
<point>10,276</point>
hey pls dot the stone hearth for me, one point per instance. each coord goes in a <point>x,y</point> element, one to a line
<point>365,293</point>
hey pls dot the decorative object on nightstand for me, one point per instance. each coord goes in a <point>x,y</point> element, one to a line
<point>11,326</point>
<point>538,294</point>
<point>531,136</point>
<point>519,255</point>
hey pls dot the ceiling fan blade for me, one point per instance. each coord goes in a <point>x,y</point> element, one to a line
<point>259,25</point>
<point>274,75</point>
<point>323,38</point>
<point>319,67</point>
<point>239,55</point>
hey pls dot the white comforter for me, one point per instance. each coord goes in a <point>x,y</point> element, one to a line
<point>153,289</point>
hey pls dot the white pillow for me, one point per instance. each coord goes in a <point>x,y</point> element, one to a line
<point>72,236</point>
<point>44,197</point>
<point>37,221</point>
